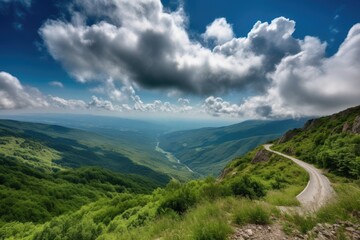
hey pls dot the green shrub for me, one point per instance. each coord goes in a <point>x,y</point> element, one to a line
<point>179,200</point>
<point>211,230</point>
<point>302,223</point>
<point>252,213</point>
<point>248,187</point>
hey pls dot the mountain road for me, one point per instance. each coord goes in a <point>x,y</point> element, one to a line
<point>318,190</point>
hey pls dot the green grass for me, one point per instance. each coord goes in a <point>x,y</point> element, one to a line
<point>324,142</point>
<point>282,178</point>
<point>250,212</point>
<point>30,152</point>
<point>284,197</point>
<point>344,207</point>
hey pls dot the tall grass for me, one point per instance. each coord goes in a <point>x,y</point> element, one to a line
<point>345,206</point>
<point>251,212</point>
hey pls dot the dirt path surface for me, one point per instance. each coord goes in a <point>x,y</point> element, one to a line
<point>318,190</point>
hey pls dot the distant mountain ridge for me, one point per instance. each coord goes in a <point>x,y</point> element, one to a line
<point>208,150</point>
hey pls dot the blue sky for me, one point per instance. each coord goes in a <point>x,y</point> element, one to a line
<point>31,52</point>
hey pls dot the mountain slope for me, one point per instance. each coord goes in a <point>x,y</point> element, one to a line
<point>75,148</point>
<point>208,150</point>
<point>331,142</point>
<point>35,189</point>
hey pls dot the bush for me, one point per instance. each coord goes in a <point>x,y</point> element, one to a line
<point>255,214</point>
<point>248,187</point>
<point>179,200</point>
<point>303,223</point>
<point>211,230</point>
<point>208,222</point>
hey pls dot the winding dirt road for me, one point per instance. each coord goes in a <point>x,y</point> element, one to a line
<point>318,189</point>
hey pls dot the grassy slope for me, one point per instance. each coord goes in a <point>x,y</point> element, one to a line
<point>204,204</point>
<point>208,150</point>
<point>128,153</point>
<point>198,209</point>
<point>32,189</point>
<point>324,143</point>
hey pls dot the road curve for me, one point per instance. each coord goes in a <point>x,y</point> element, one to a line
<point>318,190</point>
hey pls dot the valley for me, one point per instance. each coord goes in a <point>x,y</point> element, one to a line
<point>59,182</point>
<point>170,156</point>
<point>179,120</point>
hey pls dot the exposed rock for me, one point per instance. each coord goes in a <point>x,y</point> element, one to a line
<point>356,125</point>
<point>261,156</point>
<point>288,135</point>
<point>252,231</point>
<point>249,232</point>
<point>346,127</point>
<point>223,173</point>
<point>322,231</point>
<point>331,232</point>
<point>312,123</point>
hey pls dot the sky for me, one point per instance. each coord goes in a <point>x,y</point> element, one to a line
<point>212,59</point>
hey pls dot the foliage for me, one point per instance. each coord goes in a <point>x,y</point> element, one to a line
<point>248,187</point>
<point>252,213</point>
<point>178,200</point>
<point>30,194</point>
<point>327,143</point>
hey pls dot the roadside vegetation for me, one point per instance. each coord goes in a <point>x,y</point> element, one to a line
<point>331,143</point>
<point>41,199</point>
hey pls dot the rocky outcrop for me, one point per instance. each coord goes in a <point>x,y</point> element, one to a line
<point>353,127</point>
<point>356,125</point>
<point>288,135</point>
<point>312,123</point>
<point>322,231</point>
<point>223,173</point>
<point>261,156</point>
<point>325,231</point>
<point>252,231</point>
<point>346,127</point>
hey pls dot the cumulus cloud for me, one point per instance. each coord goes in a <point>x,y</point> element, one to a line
<point>216,106</point>
<point>309,83</point>
<point>14,95</point>
<point>56,84</point>
<point>306,83</point>
<point>71,104</point>
<point>138,42</point>
<point>219,30</point>
<point>99,103</point>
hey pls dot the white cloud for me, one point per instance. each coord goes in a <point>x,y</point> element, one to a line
<point>306,83</point>
<point>99,103</point>
<point>56,84</point>
<point>136,42</point>
<point>71,104</point>
<point>219,30</point>
<point>13,95</point>
<point>216,106</point>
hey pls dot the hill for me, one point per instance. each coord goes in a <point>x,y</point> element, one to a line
<point>128,152</point>
<point>245,200</point>
<point>331,142</point>
<point>208,150</point>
